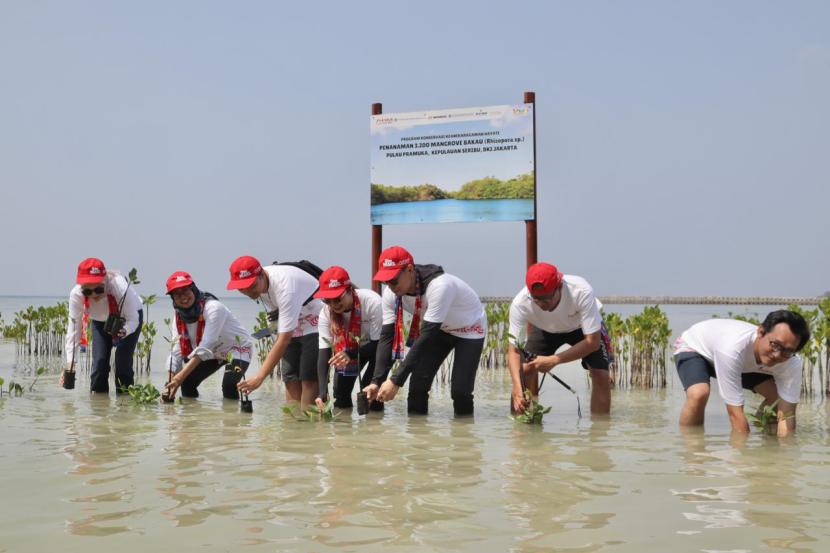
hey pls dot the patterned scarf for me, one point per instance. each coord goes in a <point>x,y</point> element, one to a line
<point>348,339</point>
<point>414,326</point>
<point>113,308</point>
<point>185,345</point>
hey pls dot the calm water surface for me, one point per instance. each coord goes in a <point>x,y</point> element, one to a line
<point>92,474</point>
<point>452,211</point>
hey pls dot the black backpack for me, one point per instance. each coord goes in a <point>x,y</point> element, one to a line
<point>308,267</point>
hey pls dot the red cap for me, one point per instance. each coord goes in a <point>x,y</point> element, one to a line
<point>333,282</point>
<point>542,279</point>
<point>391,261</point>
<point>91,271</point>
<point>179,279</point>
<point>244,271</point>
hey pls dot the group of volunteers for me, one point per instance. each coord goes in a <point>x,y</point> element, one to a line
<point>322,322</point>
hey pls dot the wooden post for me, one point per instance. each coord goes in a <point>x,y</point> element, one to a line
<point>531,244</point>
<point>377,230</point>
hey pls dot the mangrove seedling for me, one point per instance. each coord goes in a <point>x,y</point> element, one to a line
<point>312,413</point>
<point>534,411</point>
<point>142,394</point>
<point>38,372</point>
<point>766,418</point>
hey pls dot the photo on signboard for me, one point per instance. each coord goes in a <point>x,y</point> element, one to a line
<point>453,165</point>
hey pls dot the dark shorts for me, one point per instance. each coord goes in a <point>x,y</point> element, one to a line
<point>540,342</point>
<point>693,368</point>
<point>300,359</point>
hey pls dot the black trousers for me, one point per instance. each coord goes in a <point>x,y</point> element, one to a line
<point>343,385</point>
<point>102,349</point>
<point>464,367</point>
<point>233,374</point>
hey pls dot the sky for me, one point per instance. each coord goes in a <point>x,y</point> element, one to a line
<point>682,147</point>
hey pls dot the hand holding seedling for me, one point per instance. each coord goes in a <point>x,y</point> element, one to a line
<point>174,384</point>
<point>542,363</point>
<point>248,385</point>
<point>371,392</point>
<point>340,359</point>
<point>519,401</point>
<point>320,405</point>
<point>388,391</point>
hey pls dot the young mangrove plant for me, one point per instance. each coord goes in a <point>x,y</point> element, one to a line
<point>142,394</point>
<point>765,419</point>
<point>312,413</point>
<point>38,372</point>
<point>534,411</point>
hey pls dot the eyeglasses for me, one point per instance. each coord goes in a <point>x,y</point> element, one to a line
<point>781,350</point>
<point>89,291</point>
<point>334,301</point>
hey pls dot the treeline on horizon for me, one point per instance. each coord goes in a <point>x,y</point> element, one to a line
<point>487,188</point>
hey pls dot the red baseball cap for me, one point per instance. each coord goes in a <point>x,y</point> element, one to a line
<point>391,261</point>
<point>244,271</point>
<point>179,279</point>
<point>91,271</point>
<point>542,279</point>
<point>333,282</point>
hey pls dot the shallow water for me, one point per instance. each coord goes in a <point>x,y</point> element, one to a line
<point>98,474</point>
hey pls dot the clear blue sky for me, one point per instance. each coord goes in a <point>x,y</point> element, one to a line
<point>682,148</point>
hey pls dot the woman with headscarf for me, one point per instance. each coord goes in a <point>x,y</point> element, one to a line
<point>207,336</point>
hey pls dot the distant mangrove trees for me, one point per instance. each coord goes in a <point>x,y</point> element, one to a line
<point>487,188</point>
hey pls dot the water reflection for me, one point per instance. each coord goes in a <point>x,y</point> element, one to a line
<point>548,479</point>
<point>105,445</point>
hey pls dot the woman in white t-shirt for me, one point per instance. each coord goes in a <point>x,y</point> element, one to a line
<point>207,337</point>
<point>349,328</point>
<point>104,297</point>
<point>286,291</point>
<point>453,320</point>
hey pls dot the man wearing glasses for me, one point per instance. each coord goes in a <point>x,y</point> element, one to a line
<point>742,356</point>
<point>286,291</point>
<point>558,309</point>
<point>349,329</point>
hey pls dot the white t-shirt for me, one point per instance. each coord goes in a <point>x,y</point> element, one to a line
<point>371,319</point>
<point>115,284</point>
<point>727,344</point>
<point>288,288</point>
<point>448,300</point>
<point>578,308</point>
<point>219,337</point>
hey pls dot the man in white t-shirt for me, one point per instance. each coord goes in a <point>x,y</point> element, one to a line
<point>560,309</point>
<point>453,320</point>
<point>742,356</point>
<point>349,331</point>
<point>208,337</point>
<point>286,291</point>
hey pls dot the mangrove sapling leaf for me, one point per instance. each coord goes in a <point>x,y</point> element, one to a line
<point>142,394</point>
<point>534,411</point>
<point>132,277</point>
<point>39,372</point>
<point>312,413</point>
<point>766,418</point>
